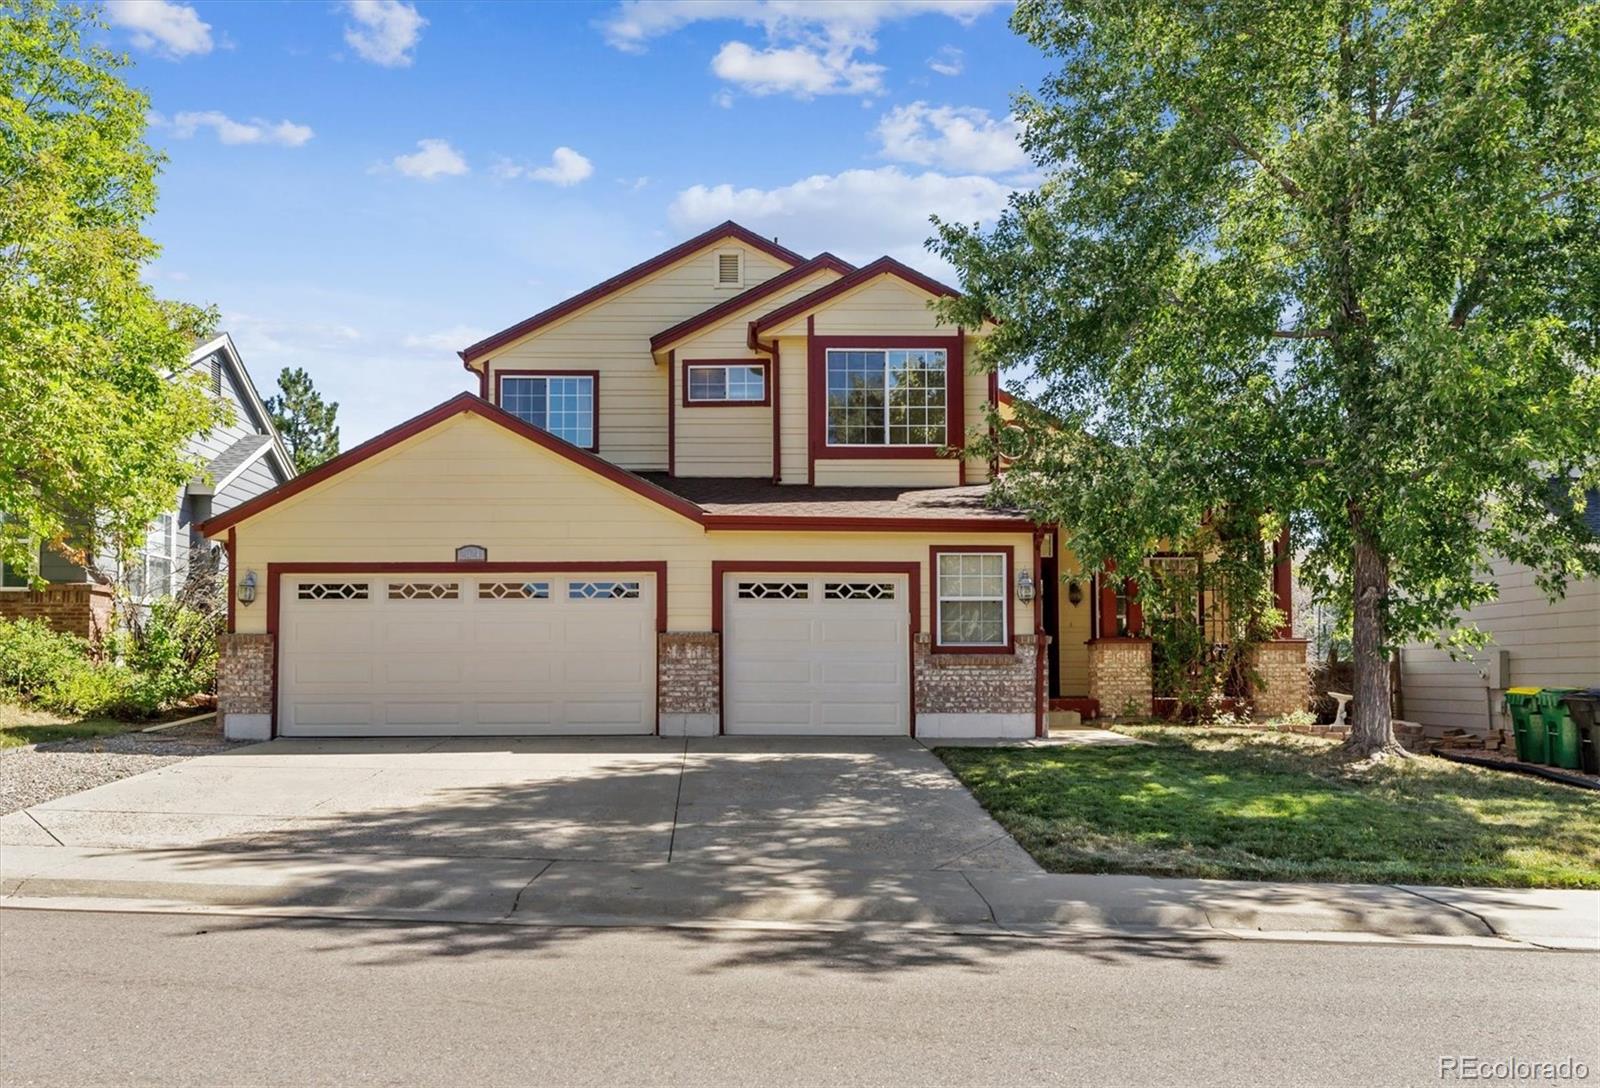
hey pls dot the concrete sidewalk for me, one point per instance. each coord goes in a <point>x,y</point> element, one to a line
<point>523,891</point>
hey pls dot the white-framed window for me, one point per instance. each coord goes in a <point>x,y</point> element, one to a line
<point>563,404</point>
<point>729,269</point>
<point>886,397</point>
<point>972,599</point>
<point>724,383</point>
<point>153,569</point>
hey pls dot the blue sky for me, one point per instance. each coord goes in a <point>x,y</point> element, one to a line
<point>363,188</point>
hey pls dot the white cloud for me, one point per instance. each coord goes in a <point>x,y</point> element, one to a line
<point>432,159</point>
<point>172,29</point>
<point>383,31</point>
<point>948,61</point>
<point>449,340</point>
<point>567,167</point>
<point>723,98</point>
<point>229,131</point>
<point>858,214</point>
<point>952,137</point>
<point>797,70</point>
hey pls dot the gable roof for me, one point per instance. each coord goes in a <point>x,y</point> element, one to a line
<point>880,267</point>
<point>730,229</point>
<point>222,344</point>
<point>744,299</point>
<point>463,402</point>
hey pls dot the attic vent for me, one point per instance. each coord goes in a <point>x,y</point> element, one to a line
<point>728,271</point>
<point>216,376</point>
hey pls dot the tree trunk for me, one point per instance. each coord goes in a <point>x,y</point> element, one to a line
<point>1371,723</point>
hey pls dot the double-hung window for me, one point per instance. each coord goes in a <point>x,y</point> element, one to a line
<point>563,404</point>
<point>972,599</point>
<point>151,572</point>
<point>886,397</point>
<point>724,383</point>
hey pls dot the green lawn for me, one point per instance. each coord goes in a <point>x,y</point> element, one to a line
<point>1275,806</point>
<point>26,725</point>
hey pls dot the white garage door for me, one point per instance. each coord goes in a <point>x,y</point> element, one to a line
<point>828,655</point>
<point>438,654</point>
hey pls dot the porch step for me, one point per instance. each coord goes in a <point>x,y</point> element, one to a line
<point>1085,707</point>
<point>1064,719</point>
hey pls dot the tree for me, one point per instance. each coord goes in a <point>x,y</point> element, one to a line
<point>308,424</point>
<point>1333,262</point>
<point>93,421</point>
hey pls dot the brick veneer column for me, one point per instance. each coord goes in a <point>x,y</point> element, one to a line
<point>244,686</point>
<point>689,667</point>
<point>81,609</point>
<point>1120,676</point>
<point>976,695</point>
<point>1282,681</point>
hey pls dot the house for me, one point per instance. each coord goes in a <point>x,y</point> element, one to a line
<point>724,491</point>
<point>1535,643</point>
<point>240,460</point>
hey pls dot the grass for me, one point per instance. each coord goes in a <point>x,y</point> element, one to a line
<point>28,725</point>
<point>1237,804</point>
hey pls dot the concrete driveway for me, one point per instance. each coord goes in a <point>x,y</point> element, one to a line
<point>800,803</point>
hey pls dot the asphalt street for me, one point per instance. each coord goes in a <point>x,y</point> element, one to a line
<point>89,999</point>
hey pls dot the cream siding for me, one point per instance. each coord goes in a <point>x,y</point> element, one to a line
<point>885,305</point>
<point>1551,645</point>
<point>612,336</point>
<point>930,472</point>
<point>1072,640</point>
<point>471,481</point>
<point>792,408</point>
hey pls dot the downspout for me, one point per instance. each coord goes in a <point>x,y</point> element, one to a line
<point>771,349</point>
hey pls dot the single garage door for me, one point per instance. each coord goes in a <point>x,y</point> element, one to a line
<point>441,654</point>
<point>820,654</point>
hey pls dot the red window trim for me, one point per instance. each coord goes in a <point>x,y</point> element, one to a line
<point>276,571</point>
<point>1010,623</point>
<point>817,372</point>
<point>594,401</point>
<point>766,383</point>
<point>721,568</point>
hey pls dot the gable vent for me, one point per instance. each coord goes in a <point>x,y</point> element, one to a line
<point>216,376</point>
<point>728,269</point>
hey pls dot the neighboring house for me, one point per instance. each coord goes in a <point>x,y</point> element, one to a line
<point>711,494</point>
<point>240,460</point>
<point>1535,644</point>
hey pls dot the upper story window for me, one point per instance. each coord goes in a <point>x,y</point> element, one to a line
<point>563,404</point>
<point>886,397</point>
<point>730,269</point>
<point>724,383</point>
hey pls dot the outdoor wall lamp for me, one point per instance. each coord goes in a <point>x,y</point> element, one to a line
<point>247,587</point>
<point>1074,592</point>
<point>1025,586</point>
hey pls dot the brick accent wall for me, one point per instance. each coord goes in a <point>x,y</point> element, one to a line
<point>244,681</point>
<point>1120,677</point>
<point>976,683</point>
<point>688,662</point>
<point>1283,683</point>
<point>81,609</point>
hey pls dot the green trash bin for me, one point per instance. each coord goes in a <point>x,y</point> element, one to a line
<point>1584,706</point>
<point>1561,732</point>
<point>1523,706</point>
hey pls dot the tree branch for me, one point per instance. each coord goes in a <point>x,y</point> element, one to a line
<point>1302,334</point>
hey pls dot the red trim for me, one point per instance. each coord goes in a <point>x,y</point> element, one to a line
<point>766,383</point>
<point>276,571</point>
<point>672,416</point>
<point>817,348</point>
<point>1040,647</point>
<point>1283,583</point>
<point>720,568</point>
<point>232,547</point>
<point>594,400</point>
<point>813,395</point>
<point>745,299</point>
<point>994,403</point>
<point>463,402</point>
<point>881,267</point>
<point>803,523</point>
<point>632,275</point>
<point>934,552</point>
<point>777,444</point>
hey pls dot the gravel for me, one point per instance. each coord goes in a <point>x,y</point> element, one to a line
<point>36,773</point>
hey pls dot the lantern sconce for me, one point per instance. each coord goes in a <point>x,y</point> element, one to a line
<point>247,587</point>
<point>1025,586</point>
<point>1075,592</point>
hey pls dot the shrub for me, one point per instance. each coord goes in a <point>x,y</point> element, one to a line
<point>58,671</point>
<point>171,647</point>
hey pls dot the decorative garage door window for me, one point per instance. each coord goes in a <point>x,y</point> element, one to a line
<point>597,591</point>
<point>333,591</point>
<point>972,599</point>
<point>513,591</point>
<point>880,397</point>
<point>774,591</point>
<point>424,591</point>
<point>858,591</point>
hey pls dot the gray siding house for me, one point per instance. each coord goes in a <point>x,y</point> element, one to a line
<point>239,461</point>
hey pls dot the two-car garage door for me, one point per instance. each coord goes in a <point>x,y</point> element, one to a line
<point>422,654</point>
